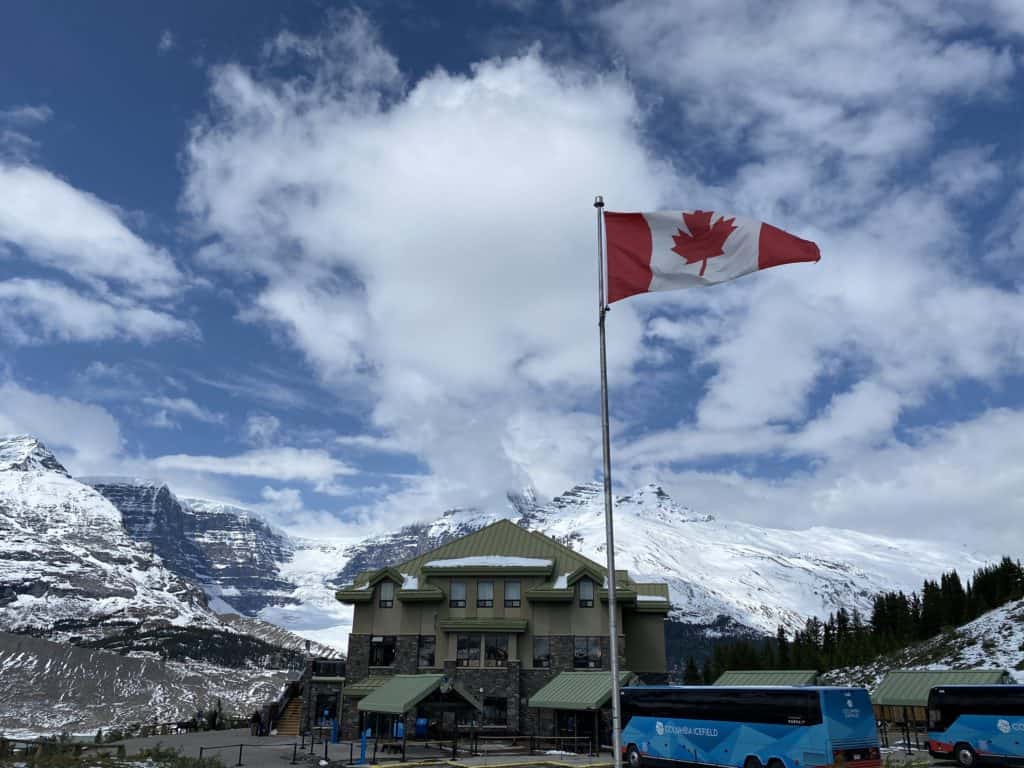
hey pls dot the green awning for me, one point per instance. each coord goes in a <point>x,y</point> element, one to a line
<point>400,694</point>
<point>910,688</point>
<point>365,687</point>
<point>578,690</point>
<point>768,677</point>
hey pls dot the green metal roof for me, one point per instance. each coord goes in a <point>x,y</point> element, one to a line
<point>578,690</point>
<point>363,687</point>
<point>508,539</point>
<point>910,688</point>
<point>768,677</point>
<point>400,694</point>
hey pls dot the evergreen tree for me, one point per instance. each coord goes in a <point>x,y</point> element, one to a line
<point>691,675</point>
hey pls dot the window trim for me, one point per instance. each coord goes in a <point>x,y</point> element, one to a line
<point>452,601</point>
<point>466,662</point>
<point>588,660</point>
<point>381,643</point>
<point>496,663</point>
<point>381,602</point>
<point>433,653</point>
<point>483,602</point>
<point>513,602</point>
<point>547,656</point>
<point>586,602</point>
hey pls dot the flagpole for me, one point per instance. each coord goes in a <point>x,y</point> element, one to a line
<point>613,631</point>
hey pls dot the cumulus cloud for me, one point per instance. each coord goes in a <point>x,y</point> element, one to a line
<point>429,244</point>
<point>441,267</point>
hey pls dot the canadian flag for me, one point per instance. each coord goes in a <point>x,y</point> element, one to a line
<point>665,251</point>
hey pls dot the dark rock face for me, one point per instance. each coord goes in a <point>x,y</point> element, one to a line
<point>241,554</point>
<point>152,515</point>
<point>229,551</point>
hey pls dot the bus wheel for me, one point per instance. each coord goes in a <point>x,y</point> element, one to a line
<point>965,756</point>
<point>633,756</point>
<point>776,763</point>
<point>752,762</point>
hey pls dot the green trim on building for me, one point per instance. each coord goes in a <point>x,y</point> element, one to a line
<point>578,690</point>
<point>364,687</point>
<point>428,594</point>
<point>354,595</point>
<point>768,677</point>
<point>482,625</point>
<point>400,694</point>
<point>910,688</point>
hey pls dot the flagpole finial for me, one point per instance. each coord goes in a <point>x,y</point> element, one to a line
<point>599,202</point>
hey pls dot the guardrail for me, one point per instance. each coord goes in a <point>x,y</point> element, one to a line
<point>294,745</point>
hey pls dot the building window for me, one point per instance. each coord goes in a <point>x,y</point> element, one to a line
<point>586,653</point>
<point>495,650</point>
<point>382,651</point>
<point>457,596</point>
<point>468,650</point>
<point>586,588</point>
<point>387,594</point>
<point>512,597</point>
<point>485,594</point>
<point>495,711</point>
<point>426,652</point>
<point>541,652</point>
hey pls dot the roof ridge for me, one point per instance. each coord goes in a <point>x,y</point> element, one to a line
<point>537,535</point>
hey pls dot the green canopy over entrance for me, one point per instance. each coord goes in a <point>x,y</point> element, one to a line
<point>578,690</point>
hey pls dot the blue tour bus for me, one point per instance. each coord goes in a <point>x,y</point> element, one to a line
<point>749,727</point>
<point>975,723</point>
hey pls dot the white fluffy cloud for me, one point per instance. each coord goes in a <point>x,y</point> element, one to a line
<point>34,311</point>
<point>429,245</point>
<point>87,438</point>
<point>434,246</point>
<point>66,228</point>
<point>284,463</point>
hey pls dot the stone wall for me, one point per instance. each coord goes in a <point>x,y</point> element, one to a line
<point>358,661</point>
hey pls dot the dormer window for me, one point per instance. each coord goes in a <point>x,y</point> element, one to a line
<point>387,594</point>
<point>586,590</point>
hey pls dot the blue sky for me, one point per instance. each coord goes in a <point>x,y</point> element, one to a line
<point>336,262</point>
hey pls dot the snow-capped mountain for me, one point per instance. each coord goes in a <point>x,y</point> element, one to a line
<point>243,564</point>
<point>748,575</point>
<point>67,565</point>
<point>230,551</point>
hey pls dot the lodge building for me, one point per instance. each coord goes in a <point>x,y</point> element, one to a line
<point>504,628</point>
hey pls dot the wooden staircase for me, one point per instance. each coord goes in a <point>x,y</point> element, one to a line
<point>290,720</point>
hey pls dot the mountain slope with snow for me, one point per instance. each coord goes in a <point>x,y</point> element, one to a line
<point>67,565</point>
<point>994,640</point>
<point>761,577</point>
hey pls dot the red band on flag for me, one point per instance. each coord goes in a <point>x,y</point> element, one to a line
<point>776,247</point>
<point>629,254</point>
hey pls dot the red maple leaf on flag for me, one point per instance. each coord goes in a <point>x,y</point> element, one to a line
<point>704,241</point>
